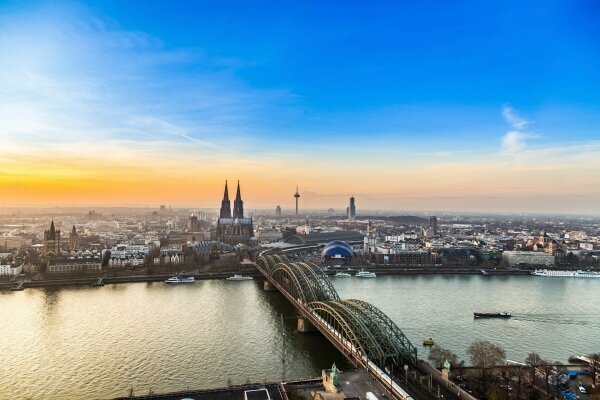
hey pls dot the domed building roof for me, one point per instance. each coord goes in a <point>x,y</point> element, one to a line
<point>339,243</point>
<point>337,249</point>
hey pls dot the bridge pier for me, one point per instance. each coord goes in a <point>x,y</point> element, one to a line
<point>268,286</point>
<point>304,325</point>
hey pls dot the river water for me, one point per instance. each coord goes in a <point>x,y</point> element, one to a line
<point>99,342</point>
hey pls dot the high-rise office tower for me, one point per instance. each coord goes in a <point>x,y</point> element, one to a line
<point>433,224</point>
<point>278,211</point>
<point>351,209</point>
<point>193,225</point>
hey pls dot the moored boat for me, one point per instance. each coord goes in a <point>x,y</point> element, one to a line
<point>238,277</point>
<point>565,274</point>
<point>428,342</point>
<point>180,279</point>
<point>365,274</point>
<point>342,275</point>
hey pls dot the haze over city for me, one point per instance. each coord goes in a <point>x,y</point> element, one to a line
<point>299,200</point>
<point>482,107</point>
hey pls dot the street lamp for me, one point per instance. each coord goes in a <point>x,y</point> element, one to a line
<point>406,374</point>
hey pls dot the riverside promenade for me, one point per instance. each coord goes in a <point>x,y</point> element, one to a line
<point>59,281</point>
<point>89,281</point>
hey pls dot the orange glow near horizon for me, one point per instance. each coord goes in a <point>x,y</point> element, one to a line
<point>497,185</point>
<point>96,113</point>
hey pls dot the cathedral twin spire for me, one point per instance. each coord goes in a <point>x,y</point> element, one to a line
<point>238,204</point>
<point>225,204</point>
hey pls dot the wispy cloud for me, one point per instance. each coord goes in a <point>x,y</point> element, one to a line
<point>70,77</point>
<point>514,141</point>
<point>513,119</point>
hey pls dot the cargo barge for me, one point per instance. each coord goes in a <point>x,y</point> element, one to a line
<point>504,314</point>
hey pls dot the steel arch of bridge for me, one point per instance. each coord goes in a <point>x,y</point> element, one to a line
<point>267,262</point>
<point>321,281</point>
<point>306,283</point>
<point>396,340</point>
<point>349,326</point>
<point>371,334</point>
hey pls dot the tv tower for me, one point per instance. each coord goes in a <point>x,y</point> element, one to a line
<point>297,196</point>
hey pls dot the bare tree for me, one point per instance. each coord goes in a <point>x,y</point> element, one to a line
<point>548,369</point>
<point>485,355</point>
<point>594,367</point>
<point>438,356</point>
<point>533,360</point>
<point>519,372</point>
<point>559,370</point>
<point>506,378</point>
<point>105,258</point>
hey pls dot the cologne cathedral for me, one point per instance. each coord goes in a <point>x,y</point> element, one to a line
<point>233,229</point>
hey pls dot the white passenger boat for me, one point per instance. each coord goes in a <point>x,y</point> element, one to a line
<point>568,274</point>
<point>237,277</point>
<point>180,279</point>
<point>365,274</point>
<point>342,275</point>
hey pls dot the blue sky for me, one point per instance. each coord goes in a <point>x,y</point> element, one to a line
<point>291,89</point>
<point>347,70</point>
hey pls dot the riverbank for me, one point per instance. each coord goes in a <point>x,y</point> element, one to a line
<point>380,270</point>
<point>107,280</point>
<point>386,270</point>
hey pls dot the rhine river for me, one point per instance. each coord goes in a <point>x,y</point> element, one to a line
<point>89,342</point>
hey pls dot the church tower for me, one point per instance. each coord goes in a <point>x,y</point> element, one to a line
<point>73,240</point>
<point>52,241</point>
<point>226,204</point>
<point>238,204</point>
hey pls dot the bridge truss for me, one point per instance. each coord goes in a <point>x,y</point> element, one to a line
<point>367,331</point>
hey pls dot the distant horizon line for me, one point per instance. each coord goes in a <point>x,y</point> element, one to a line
<point>366,212</point>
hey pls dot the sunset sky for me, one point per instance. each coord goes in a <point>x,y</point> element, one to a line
<point>486,106</point>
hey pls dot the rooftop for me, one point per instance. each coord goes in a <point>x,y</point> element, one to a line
<point>325,237</point>
<point>233,221</point>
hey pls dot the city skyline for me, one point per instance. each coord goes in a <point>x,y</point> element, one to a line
<point>111,104</point>
<point>300,200</point>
